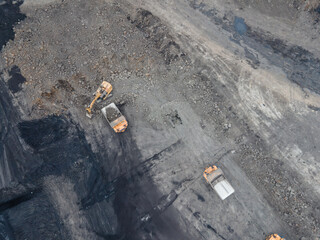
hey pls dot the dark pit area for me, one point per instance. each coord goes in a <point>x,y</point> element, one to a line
<point>16,79</point>
<point>43,132</point>
<point>9,15</point>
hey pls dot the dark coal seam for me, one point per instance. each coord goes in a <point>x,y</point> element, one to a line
<point>18,200</point>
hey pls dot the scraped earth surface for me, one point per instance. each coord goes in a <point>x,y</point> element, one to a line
<point>231,83</point>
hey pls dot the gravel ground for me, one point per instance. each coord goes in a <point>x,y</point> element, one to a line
<point>200,83</point>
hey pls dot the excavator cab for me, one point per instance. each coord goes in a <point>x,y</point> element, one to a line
<point>102,93</point>
<point>274,237</point>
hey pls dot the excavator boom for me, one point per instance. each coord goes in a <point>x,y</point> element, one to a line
<point>89,113</point>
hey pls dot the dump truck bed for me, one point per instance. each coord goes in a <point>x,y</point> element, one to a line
<point>111,113</point>
<point>115,118</point>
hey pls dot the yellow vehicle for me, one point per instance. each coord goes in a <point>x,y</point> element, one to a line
<point>102,93</point>
<point>115,118</point>
<point>215,177</point>
<point>274,237</point>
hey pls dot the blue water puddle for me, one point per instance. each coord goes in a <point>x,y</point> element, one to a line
<point>239,25</point>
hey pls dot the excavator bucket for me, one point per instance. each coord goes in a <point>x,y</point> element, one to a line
<point>89,115</point>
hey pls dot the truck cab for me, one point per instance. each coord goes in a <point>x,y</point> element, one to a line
<point>274,236</point>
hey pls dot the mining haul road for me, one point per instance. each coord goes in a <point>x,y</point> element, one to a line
<point>231,83</point>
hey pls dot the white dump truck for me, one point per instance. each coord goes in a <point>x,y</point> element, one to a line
<point>214,176</point>
<point>115,118</point>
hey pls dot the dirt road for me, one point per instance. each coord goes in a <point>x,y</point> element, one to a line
<point>232,83</point>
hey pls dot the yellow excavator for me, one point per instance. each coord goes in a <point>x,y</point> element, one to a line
<point>102,93</point>
<point>274,237</point>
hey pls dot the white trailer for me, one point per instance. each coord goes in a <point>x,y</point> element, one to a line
<point>215,177</point>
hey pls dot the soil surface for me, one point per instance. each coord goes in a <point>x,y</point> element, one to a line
<point>232,83</point>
